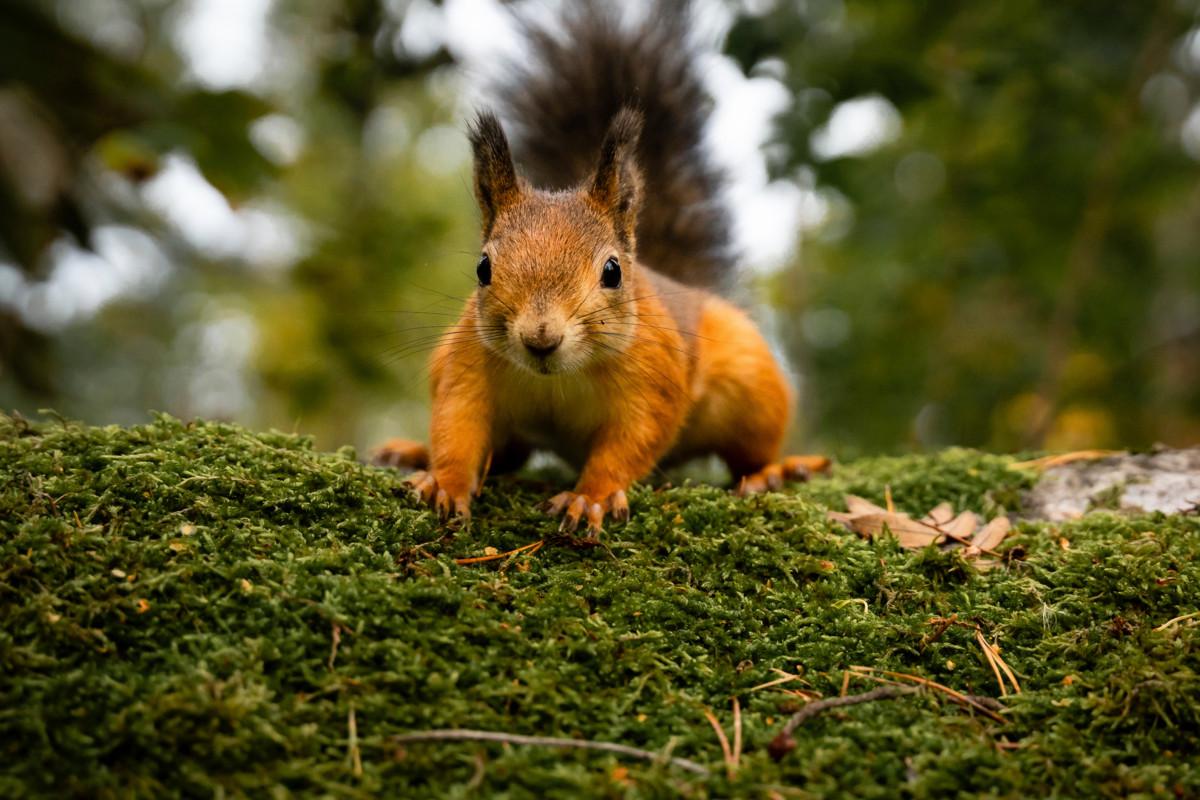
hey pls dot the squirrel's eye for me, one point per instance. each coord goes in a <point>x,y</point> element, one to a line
<point>610,276</point>
<point>484,270</point>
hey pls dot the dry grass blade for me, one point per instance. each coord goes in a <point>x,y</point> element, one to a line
<point>336,636</point>
<point>993,655</point>
<point>887,495</point>
<point>1046,462</point>
<point>353,754</point>
<point>787,677</point>
<point>737,733</point>
<point>726,750</point>
<point>530,548</point>
<point>1173,622</point>
<point>991,659</point>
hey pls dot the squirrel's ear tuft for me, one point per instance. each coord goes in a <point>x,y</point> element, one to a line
<point>496,183</point>
<point>617,183</point>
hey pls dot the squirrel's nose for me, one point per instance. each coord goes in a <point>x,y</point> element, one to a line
<point>542,344</point>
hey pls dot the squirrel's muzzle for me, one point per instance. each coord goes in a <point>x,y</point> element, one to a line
<point>542,343</point>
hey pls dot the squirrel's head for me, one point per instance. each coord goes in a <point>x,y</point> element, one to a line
<point>557,275</point>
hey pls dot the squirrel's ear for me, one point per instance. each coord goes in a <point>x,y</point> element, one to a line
<point>617,183</point>
<point>496,183</point>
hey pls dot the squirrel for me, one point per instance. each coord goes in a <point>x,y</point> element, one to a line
<point>598,329</point>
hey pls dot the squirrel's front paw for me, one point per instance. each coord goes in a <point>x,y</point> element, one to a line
<point>573,507</point>
<point>447,501</point>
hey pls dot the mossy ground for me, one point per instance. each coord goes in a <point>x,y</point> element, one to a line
<point>169,596</point>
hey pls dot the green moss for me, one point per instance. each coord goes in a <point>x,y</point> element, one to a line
<point>169,595</point>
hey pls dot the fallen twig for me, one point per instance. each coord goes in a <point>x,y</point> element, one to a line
<point>957,696</point>
<point>531,548</point>
<point>469,735</point>
<point>783,743</point>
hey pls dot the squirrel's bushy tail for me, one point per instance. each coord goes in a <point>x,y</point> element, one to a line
<point>577,74</point>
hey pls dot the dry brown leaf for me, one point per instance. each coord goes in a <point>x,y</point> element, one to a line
<point>859,506</point>
<point>961,526</point>
<point>991,535</point>
<point>869,520</point>
<point>939,515</point>
<point>842,517</point>
<point>911,533</point>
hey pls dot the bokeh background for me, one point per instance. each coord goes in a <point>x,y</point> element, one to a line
<point>964,223</point>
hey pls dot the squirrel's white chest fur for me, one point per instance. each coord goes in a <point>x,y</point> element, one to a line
<point>559,413</point>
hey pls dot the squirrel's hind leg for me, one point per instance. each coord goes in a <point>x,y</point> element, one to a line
<point>774,475</point>
<point>405,454</point>
<point>744,411</point>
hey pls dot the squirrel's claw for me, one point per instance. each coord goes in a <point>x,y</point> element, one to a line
<point>447,505</point>
<point>574,508</point>
<point>618,505</point>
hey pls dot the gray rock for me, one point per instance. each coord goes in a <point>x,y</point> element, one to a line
<point>1166,481</point>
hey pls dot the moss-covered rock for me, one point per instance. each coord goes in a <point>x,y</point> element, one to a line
<point>194,609</point>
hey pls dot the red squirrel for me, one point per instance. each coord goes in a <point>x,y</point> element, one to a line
<point>597,330</point>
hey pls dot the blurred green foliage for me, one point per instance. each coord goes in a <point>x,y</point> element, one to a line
<point>1018,267</point>
<point>1021,266</point>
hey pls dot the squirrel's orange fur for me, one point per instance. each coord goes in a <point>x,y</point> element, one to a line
<point>615,377</point>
